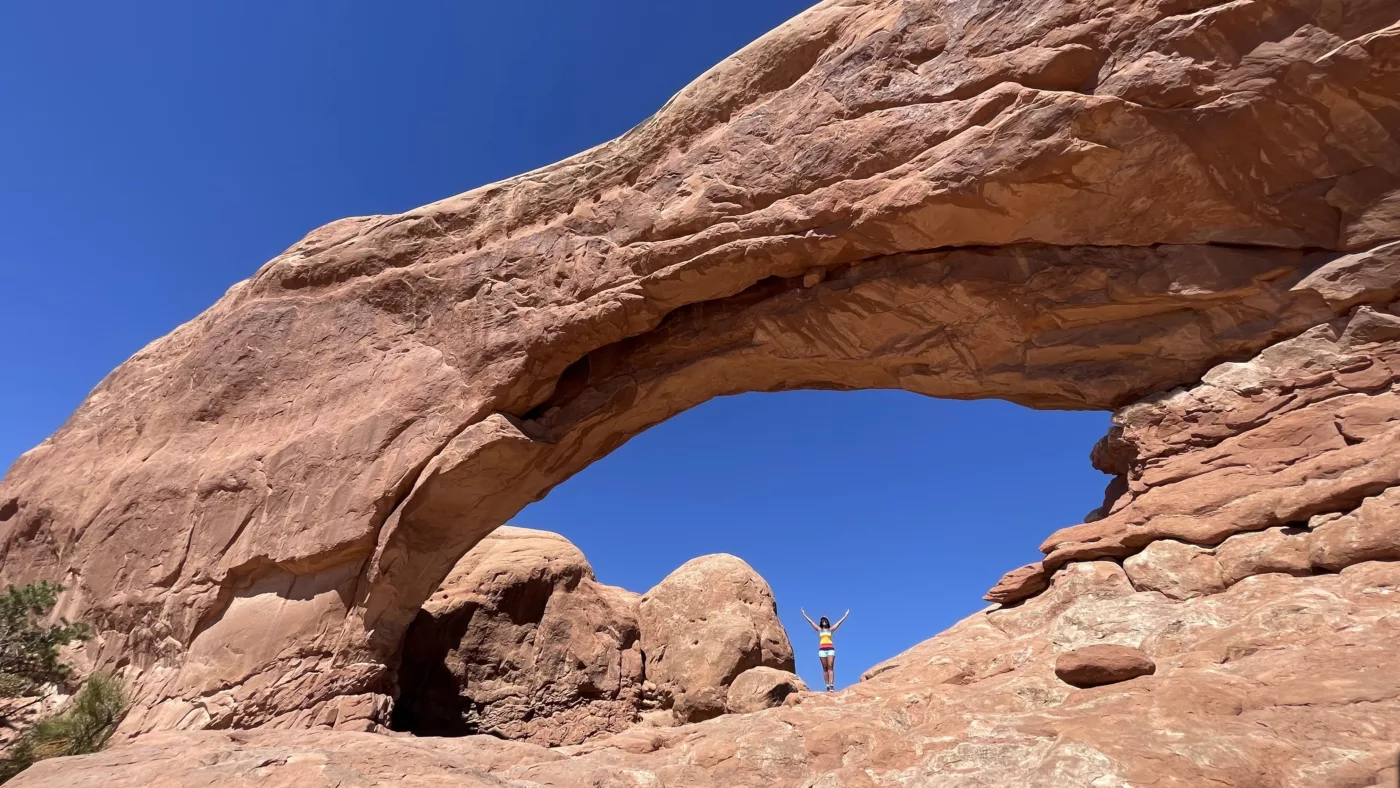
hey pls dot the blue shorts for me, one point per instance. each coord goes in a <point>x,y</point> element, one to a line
<point>826,652</point>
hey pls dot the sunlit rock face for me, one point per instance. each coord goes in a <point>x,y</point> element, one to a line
<point>1183,211</point>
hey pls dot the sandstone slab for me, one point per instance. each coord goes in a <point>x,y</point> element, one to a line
<point>1370,533</point>
<point>1018,584</point>
<point>1176,569</point>
<point>1284,550</point>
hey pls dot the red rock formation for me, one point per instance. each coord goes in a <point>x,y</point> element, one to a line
<point>522,642</point>
<point>705,624</point>
<point>1304,429</point>
<point>1060,204</point>
<point>1276,681</point>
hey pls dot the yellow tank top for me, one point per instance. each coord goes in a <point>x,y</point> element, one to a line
<point>824,639</point>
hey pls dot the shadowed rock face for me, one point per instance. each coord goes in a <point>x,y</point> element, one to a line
<point>1060,204</point>
<point>522,642</point>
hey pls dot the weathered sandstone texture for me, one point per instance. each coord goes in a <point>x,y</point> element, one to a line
<point>704,625</point>
<point>1276,682</point>
<point>1059,203</point>
<point>1300,443</point>
<point>288,759</point>
<point>762,688</point>
<point>522,642</point>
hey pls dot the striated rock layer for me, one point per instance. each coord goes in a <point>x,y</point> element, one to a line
<point>1057,203</point>
<point>1305,434</point>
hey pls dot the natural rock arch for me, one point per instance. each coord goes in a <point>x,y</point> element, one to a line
<point>1052,204</point>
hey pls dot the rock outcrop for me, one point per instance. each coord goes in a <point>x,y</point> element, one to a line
<point>522,642</point>
<point>1300,436</point>
<point>1054,203</point>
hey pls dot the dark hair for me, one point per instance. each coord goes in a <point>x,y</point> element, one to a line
<point>826,622</point>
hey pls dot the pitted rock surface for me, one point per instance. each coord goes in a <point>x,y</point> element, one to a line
<point>1059,204</point>
<point>703,627</point>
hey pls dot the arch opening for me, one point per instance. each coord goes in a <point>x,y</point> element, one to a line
<point>901,507</point>
<point>1043,326</point>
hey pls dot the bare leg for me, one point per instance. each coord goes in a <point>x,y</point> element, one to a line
<point>829,670</point>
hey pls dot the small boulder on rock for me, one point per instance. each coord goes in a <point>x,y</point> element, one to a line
<point>762,688</point>
<point>1094,666</point>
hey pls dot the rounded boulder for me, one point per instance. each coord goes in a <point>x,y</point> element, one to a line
<point>1094,666</point>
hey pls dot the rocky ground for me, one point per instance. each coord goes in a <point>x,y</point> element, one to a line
<point>1278,681</point>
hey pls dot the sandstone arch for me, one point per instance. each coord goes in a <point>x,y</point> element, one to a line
<point>1058,205</point>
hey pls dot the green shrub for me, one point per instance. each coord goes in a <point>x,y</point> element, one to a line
<point>28,647</point>
<point>83,727</point>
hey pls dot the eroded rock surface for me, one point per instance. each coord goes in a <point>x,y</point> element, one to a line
<point>522,642</point>
<point>703,626</point>
<point>1293,439</point>
<point>288,759</point>
<point>1060,204</point>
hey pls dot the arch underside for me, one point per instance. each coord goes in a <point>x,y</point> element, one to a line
<point>1075,208</point>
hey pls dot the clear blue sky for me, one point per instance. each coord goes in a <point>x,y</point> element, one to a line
<point>154,153</point>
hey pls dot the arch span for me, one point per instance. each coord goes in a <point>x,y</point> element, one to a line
<point>1057,205</point>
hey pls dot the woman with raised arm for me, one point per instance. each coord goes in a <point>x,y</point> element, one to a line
<point>826,649</point>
